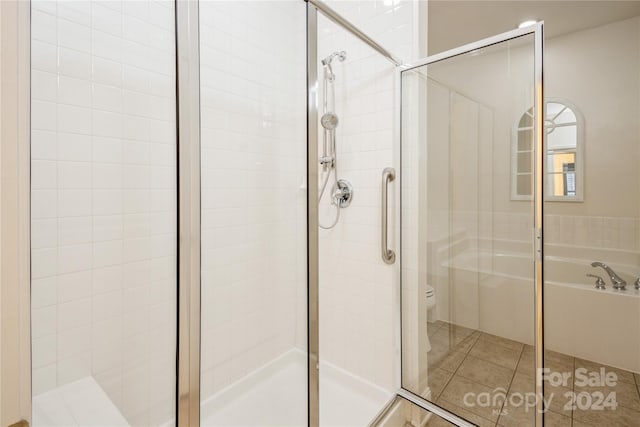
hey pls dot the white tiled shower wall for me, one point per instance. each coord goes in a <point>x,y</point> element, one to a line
<point>358,291</point>
<point>253,105</point>
<point>104,201</point>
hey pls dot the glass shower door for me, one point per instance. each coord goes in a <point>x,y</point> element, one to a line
<point>468,211</point>
<point>253,368</point>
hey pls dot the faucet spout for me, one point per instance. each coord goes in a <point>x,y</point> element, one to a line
<point>617,281</point>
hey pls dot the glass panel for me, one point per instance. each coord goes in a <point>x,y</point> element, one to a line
<point>527,120</point>
<point>525,162</point>
<point>525,139</point>
<point>467,271</point>
<point>562,174</point>
<point>103,218</point>
<point>553,109</point>
<point>595,332</point>
<point>566,116</point>
<point>562,137</point>
<point>524,185</point>
<point>254,217</point>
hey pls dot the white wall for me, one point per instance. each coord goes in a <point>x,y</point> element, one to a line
<point>104,201</point>
<point>358,292</point>
<point>253,97</point>
<point>597,70</point>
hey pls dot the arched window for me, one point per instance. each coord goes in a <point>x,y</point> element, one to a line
<point>564,160</point>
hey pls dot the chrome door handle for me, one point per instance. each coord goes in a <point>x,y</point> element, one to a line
<point>388,255</point>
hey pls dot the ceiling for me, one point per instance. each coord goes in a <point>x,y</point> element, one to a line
<point>454,23</point>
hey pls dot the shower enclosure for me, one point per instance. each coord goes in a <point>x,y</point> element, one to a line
<point>192,260</point>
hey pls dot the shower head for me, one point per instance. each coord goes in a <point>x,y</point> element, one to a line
<point>342,55</point>
<point>329,121</point>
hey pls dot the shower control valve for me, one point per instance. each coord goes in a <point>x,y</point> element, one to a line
<point>636,284</point>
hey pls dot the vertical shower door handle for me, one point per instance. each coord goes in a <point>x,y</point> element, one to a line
<point>388,255</point>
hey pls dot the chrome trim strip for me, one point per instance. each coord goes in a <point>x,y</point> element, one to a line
<point>188,130</point>
<point>313,260</point>
<point>538,215</point>
<point>388,255</point>
<point>23,27</point>
<point>344,23</point>
<point>428,406</point>
<point>472,46</point>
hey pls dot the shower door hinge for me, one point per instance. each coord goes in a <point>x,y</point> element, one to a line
<point>537,243</point>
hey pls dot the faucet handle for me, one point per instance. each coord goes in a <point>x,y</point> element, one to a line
<point>636,284</point>
<point>600,282</point>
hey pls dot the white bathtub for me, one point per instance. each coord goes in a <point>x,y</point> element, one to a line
<point>493,292</point>
<point>593,324</point>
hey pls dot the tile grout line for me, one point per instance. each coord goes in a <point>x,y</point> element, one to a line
<point>510,384</point>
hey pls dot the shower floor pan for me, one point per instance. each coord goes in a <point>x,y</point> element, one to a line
<point>81,403</point>
<point>276,395</point>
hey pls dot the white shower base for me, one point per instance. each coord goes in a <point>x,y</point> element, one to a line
<point>81,403</point>
<point>276,395</point>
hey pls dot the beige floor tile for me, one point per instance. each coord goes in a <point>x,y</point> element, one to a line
<point>491,352</point>
<point>620,417</point>
<point>452,341</point>
<point>559,365</point>
<point>436,421</point>
<point>449,362</point>
<point>438,353</point>
<point>438,379</point>
<point>623,375</point>
<point>527,363</point>
<point>469,416</point>
<point>577,423</point>
<point>559,399</point>
<point>434,327</point>
<point>461,331</point>
<point>626,394</point>
<point>502,342</point>
<point>519,415</point>
<point>459,388</point>
<point>484,372</point>
<point>552,419</point>
<point>465,361</point>
<point>554,356</point>
<point>522,383</point>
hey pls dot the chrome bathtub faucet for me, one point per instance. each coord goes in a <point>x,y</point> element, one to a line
<point>617,282</point>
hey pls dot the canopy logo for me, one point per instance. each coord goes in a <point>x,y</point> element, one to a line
<point>580,397</point>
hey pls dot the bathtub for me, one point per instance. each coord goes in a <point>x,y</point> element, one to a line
<point>494,292</point>
<point>602,325</point>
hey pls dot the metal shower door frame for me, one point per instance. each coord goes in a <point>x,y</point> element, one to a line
<point>537,30</point>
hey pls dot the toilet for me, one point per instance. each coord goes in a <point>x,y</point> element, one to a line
<point>431,303</point>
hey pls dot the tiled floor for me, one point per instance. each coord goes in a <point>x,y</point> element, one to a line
<point>462,360</point>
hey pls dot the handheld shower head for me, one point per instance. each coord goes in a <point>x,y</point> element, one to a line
<point>342,55</point>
